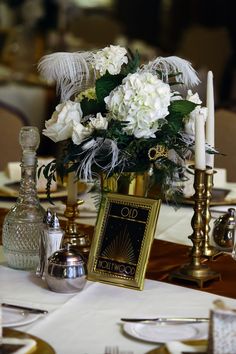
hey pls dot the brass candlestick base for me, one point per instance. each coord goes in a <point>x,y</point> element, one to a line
<point>195,271</point>
<point>72,233</point>
<point>199,276</point>
<point>208,250</point>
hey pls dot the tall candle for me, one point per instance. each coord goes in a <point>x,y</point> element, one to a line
<point>71,189</point>
<point>200,155</point>
<point>210,122</point>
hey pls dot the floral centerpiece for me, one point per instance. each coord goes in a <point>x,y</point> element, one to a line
<point>117,115</point>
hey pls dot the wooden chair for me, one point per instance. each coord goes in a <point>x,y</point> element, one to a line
<point>225,142</point>
<point>11,121</point>
<point>207,49</point>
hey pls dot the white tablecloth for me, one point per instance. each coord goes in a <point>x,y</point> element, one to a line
<point>86,322</point>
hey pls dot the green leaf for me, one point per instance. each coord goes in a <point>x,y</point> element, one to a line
<point>106,84</point>
<point>183,107</point>
<point>178,110</point>
<point>92,106</point>
<point>40,170</point>
<point>132,65</point>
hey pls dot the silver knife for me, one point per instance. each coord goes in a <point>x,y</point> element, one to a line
<point>25,308</point>
<point>167,319</point>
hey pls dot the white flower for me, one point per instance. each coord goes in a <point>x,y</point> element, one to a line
<point>142,100</point>
<point>190,124</point>
<point>99,122</point>
<point>80,133</point>
<point>176,96</point>
<point>110,59</point>
<point>66,123</point>
<point>193,97</point>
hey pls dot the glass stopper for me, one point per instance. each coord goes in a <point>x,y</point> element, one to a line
<point>29,140</point>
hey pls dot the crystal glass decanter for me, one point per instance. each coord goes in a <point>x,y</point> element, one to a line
<point>23,225</point>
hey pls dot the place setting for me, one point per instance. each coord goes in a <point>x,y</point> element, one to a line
<point>16,315</point>
<point>167,330</point>
<point>15,341</point>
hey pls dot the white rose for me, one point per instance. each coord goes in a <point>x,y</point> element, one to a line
<point>190,124</point>
<point>80,133</point>
<point>110,59</point>
<point>98,122</point>
<point>60,126</point>
<point>193,97</point>
<point>142,100</point>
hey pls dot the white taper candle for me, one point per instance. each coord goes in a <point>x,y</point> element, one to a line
<point>200,155</point>
<point>210,122</point>
<point>71,189</point>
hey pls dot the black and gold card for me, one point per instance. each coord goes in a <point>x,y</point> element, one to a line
<point>122,240</point>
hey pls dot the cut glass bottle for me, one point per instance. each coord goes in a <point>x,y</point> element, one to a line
<point>23,225</point>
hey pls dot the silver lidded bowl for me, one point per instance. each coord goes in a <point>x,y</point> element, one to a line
<point>66,270</point>
<point>224,231</point>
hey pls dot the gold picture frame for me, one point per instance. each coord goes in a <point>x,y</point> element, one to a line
<point>122,240</point>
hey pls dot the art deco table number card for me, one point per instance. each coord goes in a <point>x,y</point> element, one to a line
<point>122,240</point>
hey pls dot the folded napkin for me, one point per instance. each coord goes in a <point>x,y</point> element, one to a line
<point>87,208</point>
<point>179,348</point>
<point>13,172</point>
<point>217,211</point>
<point>18,345</point>
<point>231,196</point>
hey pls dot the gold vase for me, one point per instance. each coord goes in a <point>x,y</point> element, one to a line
<point>132,183</point>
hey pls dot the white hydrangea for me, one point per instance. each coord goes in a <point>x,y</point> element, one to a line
<point>65,123</point>
<point>190,123</point>
<point>142,100</point>
<point>110,59</point>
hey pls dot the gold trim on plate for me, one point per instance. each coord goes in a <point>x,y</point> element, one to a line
<point>194,343</point>
<point>42,346</point>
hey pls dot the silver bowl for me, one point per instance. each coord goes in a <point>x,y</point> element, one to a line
<point>224,231</point>
<point>66,270</point>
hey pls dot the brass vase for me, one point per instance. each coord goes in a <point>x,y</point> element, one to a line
<point>128,183</point>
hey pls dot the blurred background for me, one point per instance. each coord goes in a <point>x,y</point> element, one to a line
<point>200,31</point>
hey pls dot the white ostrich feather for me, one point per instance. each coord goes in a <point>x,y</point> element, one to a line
<point>72,72</point>
<point>187,139</point>
<point>172,65</point>
<point>94,152</point>
<point>173,156</point>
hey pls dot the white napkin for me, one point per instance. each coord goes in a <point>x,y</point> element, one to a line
<point>219,210</point>
<point>179,348</point>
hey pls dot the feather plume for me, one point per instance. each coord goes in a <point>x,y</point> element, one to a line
<point>172,65</point>
<point>94,152</point>
<point>72,72</point>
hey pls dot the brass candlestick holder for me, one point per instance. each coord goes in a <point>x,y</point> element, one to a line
<point>208,250</point>
<point>72,233</point>
<point>195,271</point>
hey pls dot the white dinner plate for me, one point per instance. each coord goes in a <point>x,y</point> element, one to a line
<point>162,333</point>
<point>15,317</point>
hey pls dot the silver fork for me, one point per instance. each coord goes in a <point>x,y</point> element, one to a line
<point>115,350</point>
<point>112,350</point>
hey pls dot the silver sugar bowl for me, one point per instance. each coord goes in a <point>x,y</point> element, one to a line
<point>223,231</point>
<point>66,270</point>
